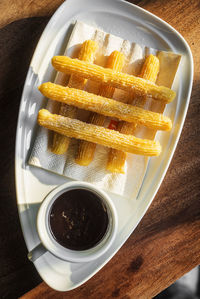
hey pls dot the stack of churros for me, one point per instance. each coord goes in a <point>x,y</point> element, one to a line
<point>102,105</point>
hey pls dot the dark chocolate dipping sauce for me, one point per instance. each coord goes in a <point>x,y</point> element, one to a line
<point>78,219</point>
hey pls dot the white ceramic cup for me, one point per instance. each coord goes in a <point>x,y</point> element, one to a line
<point>60,251</point>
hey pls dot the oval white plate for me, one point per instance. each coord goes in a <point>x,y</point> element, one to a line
<point>33,184</point>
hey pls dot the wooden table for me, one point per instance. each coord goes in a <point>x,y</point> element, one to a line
<point>166,244</point>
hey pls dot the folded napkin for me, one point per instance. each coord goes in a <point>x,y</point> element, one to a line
<point>127,184</point>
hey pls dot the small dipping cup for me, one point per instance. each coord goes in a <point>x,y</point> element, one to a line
<point>60,251</point>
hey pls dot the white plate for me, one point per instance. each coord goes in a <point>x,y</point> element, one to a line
<point>129,22</point>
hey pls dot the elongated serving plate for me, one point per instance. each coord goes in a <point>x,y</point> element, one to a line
<point>33,184</point>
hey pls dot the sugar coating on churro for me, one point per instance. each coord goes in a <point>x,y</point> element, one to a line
<point>85,153</point>
<point>100,135</point>
<point>87,52</point>
<point>116,159</point>
<point>116,79</point>
<point>105,106</point>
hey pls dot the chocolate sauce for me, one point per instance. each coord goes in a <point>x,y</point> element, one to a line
<point>78,219</point>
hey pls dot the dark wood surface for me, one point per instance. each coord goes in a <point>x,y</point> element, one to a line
<point>166,244</point>
<point>12,10</point>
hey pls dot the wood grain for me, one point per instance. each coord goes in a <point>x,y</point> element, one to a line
<point>166,244</point>
<point>12,10</point>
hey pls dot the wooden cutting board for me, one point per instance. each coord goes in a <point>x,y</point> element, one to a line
<point>166,244</point>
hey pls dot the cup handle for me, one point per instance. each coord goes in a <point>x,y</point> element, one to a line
<point>36,252</point>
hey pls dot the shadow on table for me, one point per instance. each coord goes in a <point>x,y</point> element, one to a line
<point>187,287</point>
